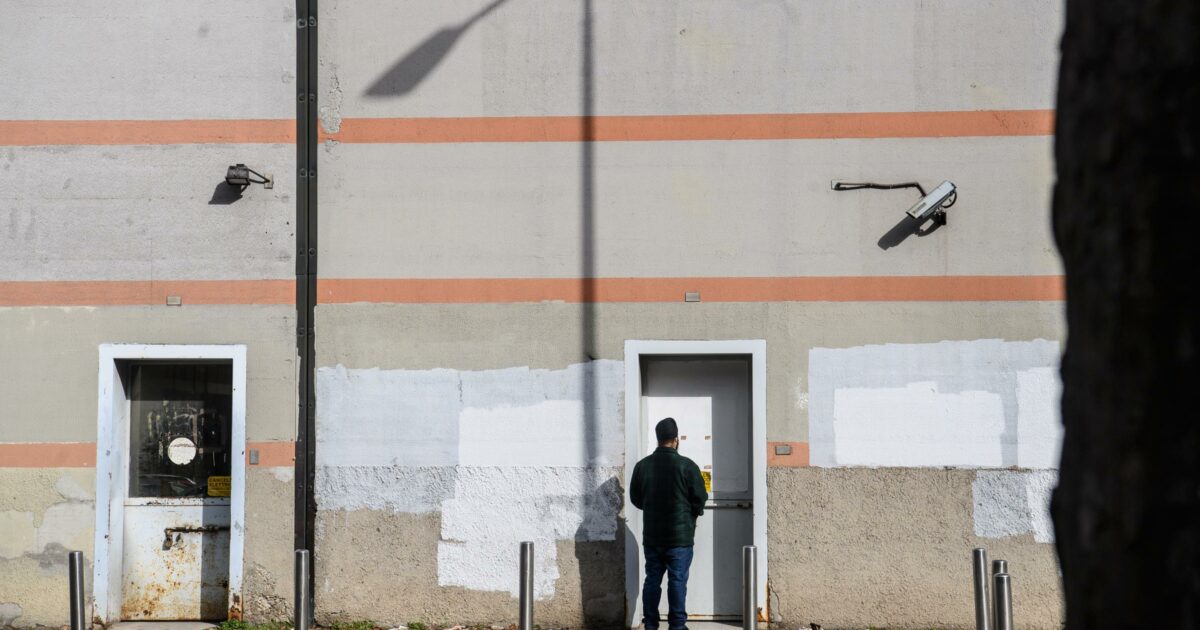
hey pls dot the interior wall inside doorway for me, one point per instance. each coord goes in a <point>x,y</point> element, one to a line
<point>710,401</point>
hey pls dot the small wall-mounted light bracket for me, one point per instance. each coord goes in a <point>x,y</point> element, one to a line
<point>239,175</point>
<point>174,300</point>
<point>691,296</point>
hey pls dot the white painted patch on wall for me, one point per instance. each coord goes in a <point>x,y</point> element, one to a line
<point>494,509</point>
<point>1039,429</point>
<point>283,473</point>
<point>1014,503</point>
<point>548,433</point>
<point>397,488</point>
<point>506,455</point>
<point>387,417</point>
<point>951,429</point>
<point>983,403</point>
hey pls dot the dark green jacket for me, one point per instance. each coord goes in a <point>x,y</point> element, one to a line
<point>669,490</point>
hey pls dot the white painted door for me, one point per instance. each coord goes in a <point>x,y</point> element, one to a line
<point>175,558</point>
<point>710,400</point>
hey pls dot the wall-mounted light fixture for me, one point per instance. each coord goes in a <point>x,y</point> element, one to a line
<point>932,205</point>
<point>239,175</point>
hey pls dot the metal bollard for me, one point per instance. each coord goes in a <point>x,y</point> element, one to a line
<point>525,621</point>
<point>998,566</point>
<point>749,587</point>
<point>1004,620</point>
<point>75,575</point>
<point>302,616</point>
<point>983,603</point>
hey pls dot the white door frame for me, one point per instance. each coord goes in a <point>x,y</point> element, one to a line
<point>112,443</point>
<point>756,349</point>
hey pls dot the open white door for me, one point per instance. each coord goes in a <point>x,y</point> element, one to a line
<point>716,391</point>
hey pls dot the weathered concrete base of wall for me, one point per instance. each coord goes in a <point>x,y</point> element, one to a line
<point>44,513</point>
<point>891,547</point>
<point>383,566</point>
<point>47,512</point>
<point>849,548</point>
<point>268,568</point>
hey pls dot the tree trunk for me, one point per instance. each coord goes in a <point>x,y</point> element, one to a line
<point>1126,208</point>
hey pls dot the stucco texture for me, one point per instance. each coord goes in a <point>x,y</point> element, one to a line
<point>44,514</point>
<point>267,570</point>
<point>888,547</point>
<point>382,566</point>
<point>47,512</point>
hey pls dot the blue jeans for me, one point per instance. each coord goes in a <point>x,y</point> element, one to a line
<point>675,562</point>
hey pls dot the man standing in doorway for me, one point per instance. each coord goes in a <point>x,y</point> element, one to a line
<point>669,490</point>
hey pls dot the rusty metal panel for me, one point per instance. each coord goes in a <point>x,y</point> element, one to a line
<point>176,562</point>
<point>177,511</point>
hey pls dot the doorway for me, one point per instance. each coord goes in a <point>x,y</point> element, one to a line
<point>716,393</point>
<point>170,483</point>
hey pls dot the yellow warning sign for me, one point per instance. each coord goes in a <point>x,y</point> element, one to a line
<point>707,480</point>
<point>218,486</point>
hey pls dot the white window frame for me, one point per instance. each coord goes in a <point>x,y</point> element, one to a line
<point>112,442</point>
<point>756,349</point>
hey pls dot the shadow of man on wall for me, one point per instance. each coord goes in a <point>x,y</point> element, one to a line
<point>602,562</point>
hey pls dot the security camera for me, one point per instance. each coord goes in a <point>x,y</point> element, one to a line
<point>931,206</point>
<point>936,201</point>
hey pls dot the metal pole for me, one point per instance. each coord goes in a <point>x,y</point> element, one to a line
<point>749,587</point>
<point>983,603</point>
<point>525,622</point>
<point>1004,620</point>
<point>998,566</point>
<point>75,575</point>
<point>302,616</point>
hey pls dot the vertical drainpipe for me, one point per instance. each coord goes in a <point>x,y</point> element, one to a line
<point>306,271</point>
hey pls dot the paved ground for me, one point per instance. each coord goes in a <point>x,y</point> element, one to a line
<point>162,625</point>
<point>714,625</point>
<point>201,625</point>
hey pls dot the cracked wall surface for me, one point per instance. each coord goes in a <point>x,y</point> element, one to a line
<point>44,514</point>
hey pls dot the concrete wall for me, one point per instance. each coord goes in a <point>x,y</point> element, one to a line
<point>442,326</point>
<point>100,220</point>
<point>467,399</point>
<point>413,474</point>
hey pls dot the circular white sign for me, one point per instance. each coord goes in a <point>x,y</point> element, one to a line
<point>181,451</point>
